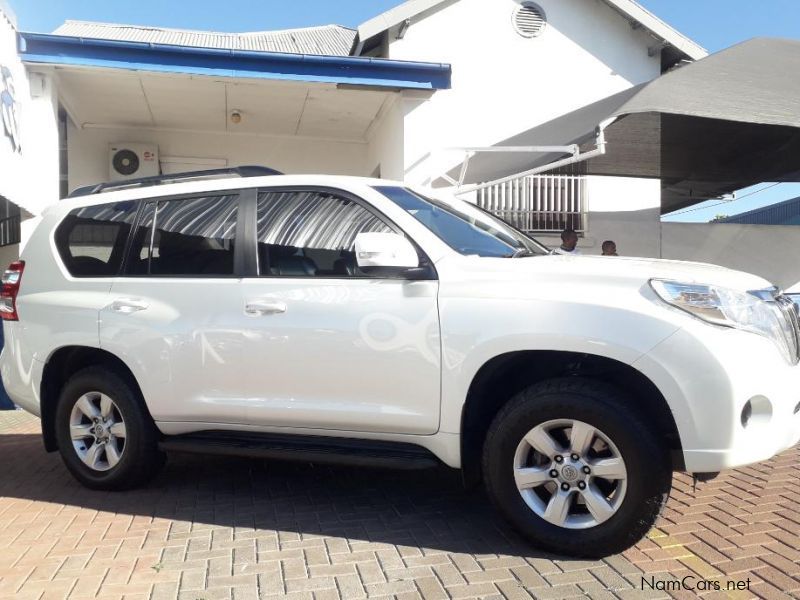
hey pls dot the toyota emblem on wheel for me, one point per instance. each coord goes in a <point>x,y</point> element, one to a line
<point>569,473</point>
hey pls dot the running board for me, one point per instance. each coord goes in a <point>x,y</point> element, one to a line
<point>313,449</point>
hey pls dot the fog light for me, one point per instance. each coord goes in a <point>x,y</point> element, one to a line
<point>756,411</point>
<point>747,412</point>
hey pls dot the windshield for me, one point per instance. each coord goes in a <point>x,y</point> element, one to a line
<point>467,229</point>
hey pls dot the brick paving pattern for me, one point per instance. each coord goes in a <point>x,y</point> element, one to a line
<point>211,528</point>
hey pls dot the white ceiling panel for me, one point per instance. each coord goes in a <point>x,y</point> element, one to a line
<point>105,97</point>
<point>178,102</point>
<point>340,113</point>
<point>181,102</point>
<point>268,109</point>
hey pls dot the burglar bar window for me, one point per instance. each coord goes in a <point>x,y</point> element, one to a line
<point>539,203</point>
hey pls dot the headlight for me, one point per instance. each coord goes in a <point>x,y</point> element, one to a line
<point>761,312</point>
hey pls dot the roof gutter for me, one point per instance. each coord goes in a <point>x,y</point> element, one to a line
<point>37,48</point>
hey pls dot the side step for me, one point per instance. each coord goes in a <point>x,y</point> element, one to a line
<point>314,449</point>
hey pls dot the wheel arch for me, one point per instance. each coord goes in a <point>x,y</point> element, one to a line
<point>501,377</point>
<point>60,366</point>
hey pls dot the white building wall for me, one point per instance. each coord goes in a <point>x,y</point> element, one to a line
<point>766,250</point>
<point>88,151</point>
<point>503,83</point>
<point>385,153</point>
<point>29,175</point>
<point>626,211</point>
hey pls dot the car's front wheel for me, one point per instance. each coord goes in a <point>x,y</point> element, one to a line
<point>105,435</point>
<point>575,468</point>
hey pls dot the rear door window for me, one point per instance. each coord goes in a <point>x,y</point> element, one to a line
<point>91,240</point>
<point>192,237</point>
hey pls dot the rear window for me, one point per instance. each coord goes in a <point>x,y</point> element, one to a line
<point>91,240</point>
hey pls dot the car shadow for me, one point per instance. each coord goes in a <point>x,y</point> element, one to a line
<point>428,509</point>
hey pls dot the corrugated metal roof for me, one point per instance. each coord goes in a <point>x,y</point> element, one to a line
<point>782,213</point>
<point>327,40</point>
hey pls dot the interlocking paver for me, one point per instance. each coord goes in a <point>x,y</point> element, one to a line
<point>212,528</point>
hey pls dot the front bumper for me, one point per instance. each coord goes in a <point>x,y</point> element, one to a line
<point>707,375</point>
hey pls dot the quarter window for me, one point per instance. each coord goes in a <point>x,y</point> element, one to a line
<point>311,234</point>
<point>193,237</point>
<point>91,240</point>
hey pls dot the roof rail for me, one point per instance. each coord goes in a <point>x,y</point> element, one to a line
<point>245,171</point>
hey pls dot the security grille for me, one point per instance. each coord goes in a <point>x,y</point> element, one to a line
<point>529,20</point>
<point>10,230</point>
<point>9,223</point>
<point>539,203</point>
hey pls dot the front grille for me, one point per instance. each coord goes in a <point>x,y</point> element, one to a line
<point>792,314</point>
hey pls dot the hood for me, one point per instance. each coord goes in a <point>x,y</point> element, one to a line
<point>594,268</point>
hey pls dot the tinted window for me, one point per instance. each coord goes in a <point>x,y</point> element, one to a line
<point>91,240</point>
<point>311,234</point>
<point>192,237</point>
<point>465,228</point>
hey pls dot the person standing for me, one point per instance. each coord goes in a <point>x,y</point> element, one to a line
<point>569,243</point>
<point>609,248</point>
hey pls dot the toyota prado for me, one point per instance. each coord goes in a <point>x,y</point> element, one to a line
<point>354,320</point>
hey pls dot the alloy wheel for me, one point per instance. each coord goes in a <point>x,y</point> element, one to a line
<point>570,474</point>
<point>98,431</point>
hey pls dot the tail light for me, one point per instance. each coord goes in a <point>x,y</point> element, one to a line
<point>8,296</point>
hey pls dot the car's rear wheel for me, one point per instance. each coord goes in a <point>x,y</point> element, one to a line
<point>574,467</point>
<point>105,435</point>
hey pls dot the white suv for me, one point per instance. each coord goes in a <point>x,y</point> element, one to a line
<point>345,319</point>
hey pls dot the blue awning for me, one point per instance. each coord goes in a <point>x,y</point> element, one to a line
<point>48,49</point>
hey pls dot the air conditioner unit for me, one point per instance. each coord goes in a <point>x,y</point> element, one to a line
<point>131,161</point>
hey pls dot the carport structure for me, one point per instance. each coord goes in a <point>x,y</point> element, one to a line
<point>222,106</point>
<point>705,129</point>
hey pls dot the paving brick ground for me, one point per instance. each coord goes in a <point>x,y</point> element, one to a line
<point>212,528</point>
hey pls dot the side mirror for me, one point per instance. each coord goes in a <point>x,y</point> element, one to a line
<point>385,252</point>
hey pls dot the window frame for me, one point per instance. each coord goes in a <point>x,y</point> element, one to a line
<point>427,270</point>
<point>56,240</point>
<point>238,238</point>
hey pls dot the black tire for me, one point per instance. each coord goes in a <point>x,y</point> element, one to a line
<point>647,463</point>
<point>141,459</point>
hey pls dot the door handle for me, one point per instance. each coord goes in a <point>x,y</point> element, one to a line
<point>262,308</point>
<point>128,306</point>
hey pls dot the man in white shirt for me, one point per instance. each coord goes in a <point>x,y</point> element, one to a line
<point>569,243</point>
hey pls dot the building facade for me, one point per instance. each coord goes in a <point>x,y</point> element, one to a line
<point>410,95</point>
<point>504,79</point>
<point>29,147</point>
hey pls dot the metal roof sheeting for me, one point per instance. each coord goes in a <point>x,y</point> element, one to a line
<point>327,40</point>
<point>782,213</point>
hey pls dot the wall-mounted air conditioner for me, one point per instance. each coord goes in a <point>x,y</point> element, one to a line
<point>131,161</point>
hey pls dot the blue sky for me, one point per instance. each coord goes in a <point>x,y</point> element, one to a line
<point>715,24</point>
